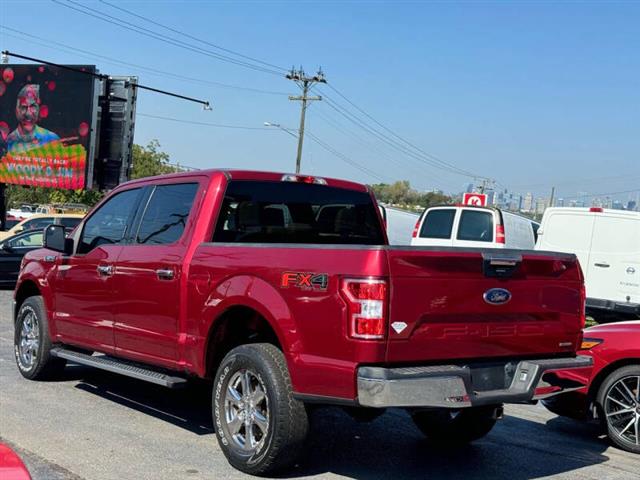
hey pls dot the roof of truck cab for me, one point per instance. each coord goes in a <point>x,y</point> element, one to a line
<point>582,210</point>
<point>251,175</point>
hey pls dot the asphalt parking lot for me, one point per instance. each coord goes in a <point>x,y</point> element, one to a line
<point>94,425</point>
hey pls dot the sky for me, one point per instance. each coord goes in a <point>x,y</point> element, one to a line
<point>531,94</point>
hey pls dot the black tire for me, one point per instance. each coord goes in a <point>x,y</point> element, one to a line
<point>286,418</point>
<point>611,387</point>
<point>42,364</point>
<point>455,427</point>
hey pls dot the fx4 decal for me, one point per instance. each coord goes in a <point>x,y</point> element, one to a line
<point>305,281</point>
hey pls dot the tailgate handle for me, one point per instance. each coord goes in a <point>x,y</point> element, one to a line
<point>602,265</point>
<point>500,265</point>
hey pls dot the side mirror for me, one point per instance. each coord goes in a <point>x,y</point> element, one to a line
<point>7,248</point>
<point>383,214</point>
<point>55,238</point>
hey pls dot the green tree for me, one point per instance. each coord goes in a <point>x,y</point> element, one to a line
<point>150,160</point>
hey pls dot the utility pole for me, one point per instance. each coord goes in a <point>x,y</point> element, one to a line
<point>553,191</point>
<point>305,83</point>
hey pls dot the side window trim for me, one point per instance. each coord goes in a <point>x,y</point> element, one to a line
<point>141,209</point>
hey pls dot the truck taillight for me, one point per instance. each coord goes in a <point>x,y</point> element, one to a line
<point>500,234</point>
<point>415,229</point>
<point>583,306</point>
<point>367,306</point>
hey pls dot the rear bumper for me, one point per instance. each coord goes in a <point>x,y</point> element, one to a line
<point>611,306</point>
<point>453,386</point>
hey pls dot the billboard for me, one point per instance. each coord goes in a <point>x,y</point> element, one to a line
<point>47,124</point>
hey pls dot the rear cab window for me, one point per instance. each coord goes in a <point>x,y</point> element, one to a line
<point>476,225</point>
<point>438,223</point>
<point>289,212</point>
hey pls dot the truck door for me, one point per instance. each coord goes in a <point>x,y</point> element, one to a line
<point>614,264</point>
<point>147,278</point>
<point>84,301</point>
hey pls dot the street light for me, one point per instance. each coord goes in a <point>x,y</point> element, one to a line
<point>277,125</point>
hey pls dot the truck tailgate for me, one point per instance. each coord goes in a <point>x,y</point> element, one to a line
<point>472,303</point>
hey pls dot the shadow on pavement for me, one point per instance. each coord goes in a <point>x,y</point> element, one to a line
<point>388,448</point>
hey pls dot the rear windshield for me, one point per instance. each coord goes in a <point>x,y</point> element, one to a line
<point>438,223</point>
<point>476,226</point>
<point>288,212</point>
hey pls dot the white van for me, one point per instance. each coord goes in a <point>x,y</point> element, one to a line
<point>607,243</point>
<point>469,226</point>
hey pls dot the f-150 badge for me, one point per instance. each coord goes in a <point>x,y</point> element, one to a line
<point>305,281</point>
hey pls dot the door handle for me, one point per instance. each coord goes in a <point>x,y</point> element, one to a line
<point>602,265</point>
<point>105,270</point>
<point>165,273</point>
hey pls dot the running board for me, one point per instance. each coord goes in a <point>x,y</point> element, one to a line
<point>122,367</point>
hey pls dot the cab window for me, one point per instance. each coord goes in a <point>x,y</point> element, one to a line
<point>108,225</point>
<point>166,214</point>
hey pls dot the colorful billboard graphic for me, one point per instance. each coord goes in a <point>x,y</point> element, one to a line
<point>46,125</point>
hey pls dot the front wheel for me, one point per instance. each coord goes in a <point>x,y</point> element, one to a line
<point>260,426</point>
<point>619,401</point>
<point>456,427</point>
<point>32,343</point>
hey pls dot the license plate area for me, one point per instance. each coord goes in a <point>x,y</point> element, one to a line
<point>494,376</point>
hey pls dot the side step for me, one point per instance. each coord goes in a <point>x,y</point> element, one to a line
<point>123,367</point>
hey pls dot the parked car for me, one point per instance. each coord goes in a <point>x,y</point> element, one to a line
<point>247,279</point>
<point>11,466</point>
<point>470,226</point>
<point>612,394</point>
<point>12,250</point>
<point>607,243</point>
<point>38,221</point>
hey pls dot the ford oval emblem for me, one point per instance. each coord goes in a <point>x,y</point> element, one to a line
<point>497,296</point>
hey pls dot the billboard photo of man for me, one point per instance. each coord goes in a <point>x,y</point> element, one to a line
<point>47,123</point>
<point>28,134</point>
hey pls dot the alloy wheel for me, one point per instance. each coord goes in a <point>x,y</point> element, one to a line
<point>622,409</point>
<point>246,410</point>
<point>29,341</point>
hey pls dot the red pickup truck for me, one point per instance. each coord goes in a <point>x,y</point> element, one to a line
<point>284,291</point>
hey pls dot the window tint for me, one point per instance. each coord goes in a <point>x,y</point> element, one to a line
<point>33,239</point>
<point>288,212</point>
<point>438,223</point>
<point>69,222</point>
<point>476,226</point>
<point>166,214</point>
<point>109,223</point>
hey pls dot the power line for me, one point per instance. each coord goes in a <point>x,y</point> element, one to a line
<point>153,71</point>
<point>606,194</point>
<point>401,139</point>
<point>344,158</point>
<point>101,76</point>
<point>358,139</point>
<point>179,32</point>
<point>386,139</point>
<point>157,36</point>
<point>315,138</point>
<point>194,122</point>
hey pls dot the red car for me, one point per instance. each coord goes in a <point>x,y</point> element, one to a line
<point>612,395</point>
<point>11,467</point>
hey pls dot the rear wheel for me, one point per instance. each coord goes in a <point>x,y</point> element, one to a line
<point>456,427</point>
<point>260,427</point>
<point>619,402</point>
<point>32,343</point>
